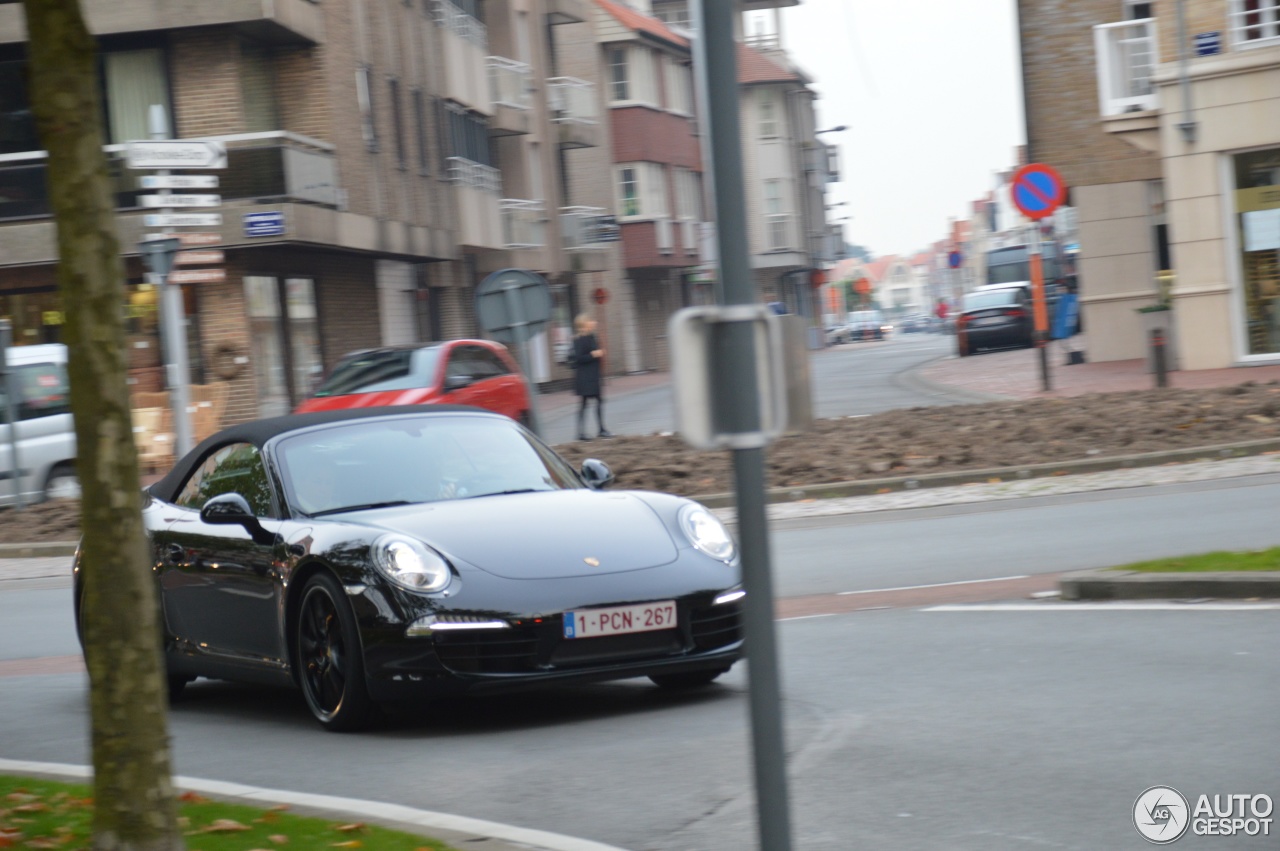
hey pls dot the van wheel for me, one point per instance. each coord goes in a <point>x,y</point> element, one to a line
<point>62,483</point>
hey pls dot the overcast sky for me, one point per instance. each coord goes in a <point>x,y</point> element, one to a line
<point>932,94</point>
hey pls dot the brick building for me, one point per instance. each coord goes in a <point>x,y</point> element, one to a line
<point>1172,150</point>
<point>409,148</point>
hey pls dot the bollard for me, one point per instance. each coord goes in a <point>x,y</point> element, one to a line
<point>1158,357</point>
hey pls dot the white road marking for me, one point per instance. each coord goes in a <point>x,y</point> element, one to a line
<point>934,585</point>
<point>807,617</point>
<point>1105,607</point>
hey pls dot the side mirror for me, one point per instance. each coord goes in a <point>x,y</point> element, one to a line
<point>596,473</point>
<point>456,382</point>
<point>231,509</point>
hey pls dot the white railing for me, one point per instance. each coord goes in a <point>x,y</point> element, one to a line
<point>524,223</point>
<point>508,82</point>
<point>572,100</point>
<point>664,235</point>
<point>458,22</point>
<point>1254,23</point>
<point>764,41</point>
<point>465,172</point>
<point>1126,58</point>
<point>689,235</point>
<point>581,228</point>
<point>777,231</point>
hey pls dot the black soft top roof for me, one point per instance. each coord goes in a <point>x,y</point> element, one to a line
<point>258,432</point>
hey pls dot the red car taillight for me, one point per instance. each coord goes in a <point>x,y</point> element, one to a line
<point>1016,313</point>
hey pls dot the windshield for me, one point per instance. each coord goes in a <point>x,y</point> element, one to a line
<point>408,460</point>
<point>371,372</point>
<point>864,316</point>
<point>994,298</point>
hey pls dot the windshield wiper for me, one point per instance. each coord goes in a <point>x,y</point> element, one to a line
<point>366,507</point>
<point>504,493</point>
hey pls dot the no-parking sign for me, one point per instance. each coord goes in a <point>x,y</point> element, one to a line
<point>1038,190</point>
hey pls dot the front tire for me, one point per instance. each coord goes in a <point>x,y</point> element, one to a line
<point>686,679</point>
<point>327,659</point>
<point>63,483</point>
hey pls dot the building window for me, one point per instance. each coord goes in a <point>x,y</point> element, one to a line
<point>364,95</point>
<point>688,194</point>
<point>767,113</point>
<point>397,121</point>
<point>776,220</point>
<point>420,130</point>
<point>1257,214</point>
<point>629,191</point>
<point>17,122</point>
<point>468,134</point>
<point>675,14</point>
<point>1137,10</point>
<point>286,341</point>
<point>619,86</point>
<point>1254,23</point>
<point>135,79</point>
<point>679,87</point>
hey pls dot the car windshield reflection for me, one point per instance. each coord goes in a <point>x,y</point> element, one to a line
<point>371,464</point>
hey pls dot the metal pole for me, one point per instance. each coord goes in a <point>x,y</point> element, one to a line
<point>177,368</point>
<point>10,409</point>
<point>737,400</point>
<point>1041,334</point>
<point>1158,357</point>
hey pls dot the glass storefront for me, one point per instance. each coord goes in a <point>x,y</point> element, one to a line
<point>286,341</point>
<point>1257,214</point>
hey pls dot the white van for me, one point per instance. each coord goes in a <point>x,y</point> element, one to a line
<point>46,431</point>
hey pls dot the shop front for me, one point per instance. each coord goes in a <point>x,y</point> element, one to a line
<point>1256,226</point>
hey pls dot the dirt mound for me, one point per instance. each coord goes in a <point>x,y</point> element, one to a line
<point>916,440</point>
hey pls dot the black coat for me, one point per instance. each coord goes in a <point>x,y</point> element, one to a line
<point>586,366</point>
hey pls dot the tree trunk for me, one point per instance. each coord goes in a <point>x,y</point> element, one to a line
<point>134,804</point>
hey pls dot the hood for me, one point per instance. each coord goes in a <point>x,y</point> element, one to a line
<point>545,535</point>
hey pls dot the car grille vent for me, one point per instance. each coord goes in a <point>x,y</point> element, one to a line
<point>716,626</point>
<point>505,651</point>
<point>609,648</point>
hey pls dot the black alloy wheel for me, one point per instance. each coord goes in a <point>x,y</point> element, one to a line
<point>327,657</point>
<point>687,679</point>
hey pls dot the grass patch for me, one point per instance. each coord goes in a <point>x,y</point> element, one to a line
<point>1210,562</point>
<point>42,814</point>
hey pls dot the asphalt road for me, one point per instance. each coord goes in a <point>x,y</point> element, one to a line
<point>847,380</point>
<point>907,728</point>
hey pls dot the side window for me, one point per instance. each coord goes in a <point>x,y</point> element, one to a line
<point>237,468</point>
<point>487,364</point>
<point>42,390</point>
<point>461,366</point>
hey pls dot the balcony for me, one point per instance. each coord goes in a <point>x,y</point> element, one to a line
<point>586,233</point>
<point>261,168</point>
<point>566,11</point>
<point>1126,59</point>
<point>575,112</point>
<point>464,51</point>
<point>479,215</point>
<point>509,92</point>
<point>524,223</point>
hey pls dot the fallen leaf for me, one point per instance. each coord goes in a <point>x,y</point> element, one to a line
<point>43,843</point>
<point>278,808</point>
<point>21,797</point>
<point>225,825</point>
<point>192,798</point>
<point>351,843</point>
<point>38,807</point>
<point>348,828</point>
<point>279,838</point>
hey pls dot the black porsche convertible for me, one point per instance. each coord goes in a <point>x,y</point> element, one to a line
<point>398,553</point>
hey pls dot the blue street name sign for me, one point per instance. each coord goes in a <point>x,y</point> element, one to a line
<point>264,224</point>
<point>1207,44</point>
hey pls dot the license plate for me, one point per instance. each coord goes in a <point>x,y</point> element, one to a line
<point>619,620</point>
<point>988,320</point>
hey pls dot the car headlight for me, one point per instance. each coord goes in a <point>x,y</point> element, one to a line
<point>706,532</point>
<point>410,564</point>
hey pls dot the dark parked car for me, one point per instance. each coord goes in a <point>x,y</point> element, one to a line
<point>481,373</point>
<point>387,554</point>
<point>994,317</point>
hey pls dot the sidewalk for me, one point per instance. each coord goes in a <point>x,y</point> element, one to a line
<point>614,386</point>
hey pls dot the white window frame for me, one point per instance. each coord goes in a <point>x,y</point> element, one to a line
<point>650,181</point>
<point>613,53</point>
<point>766,114</point>
<point>679,80</point>
<point>688,195</point>
<point>1268,25</point>
<point>641,82</point>
<point>628,175</point>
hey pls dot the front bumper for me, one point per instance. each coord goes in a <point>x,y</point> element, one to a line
<point>533,651</point>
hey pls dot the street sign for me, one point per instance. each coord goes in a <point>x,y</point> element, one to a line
<point>198,258</point>
<point>1038,190</point>
<point>600,296</point>
<point>513,305</point>
<point>954,259</point>
<point>198,276</point>
<point>158,254</point>
<point>264,224</point>
<point>1207,44</point>
<point>175,154</point>
<point>179,200</point>
<point>182,220</point>
<point>178,181</point>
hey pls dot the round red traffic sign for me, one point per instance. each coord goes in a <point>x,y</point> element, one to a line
<point>1038,190</point>
<point>601,295</point>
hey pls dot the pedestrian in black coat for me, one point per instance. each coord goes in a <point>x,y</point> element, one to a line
<point>585,359</point>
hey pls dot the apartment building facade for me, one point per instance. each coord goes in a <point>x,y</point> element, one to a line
<point>1172,147</point>
<point>400,150</point>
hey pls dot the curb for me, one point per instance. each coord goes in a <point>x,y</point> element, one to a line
<point>1132,585</point>
<point>911,379</point>
<point>45,549</point>
<point>476,833</point>
<point>868,487</point>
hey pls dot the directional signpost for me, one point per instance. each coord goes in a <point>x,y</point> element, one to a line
<point>175,153</point>
<point>1038,190</point>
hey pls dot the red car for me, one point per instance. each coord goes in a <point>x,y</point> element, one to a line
<point>458,372</point>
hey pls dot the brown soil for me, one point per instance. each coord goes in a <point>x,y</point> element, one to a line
<point>912,441</point>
